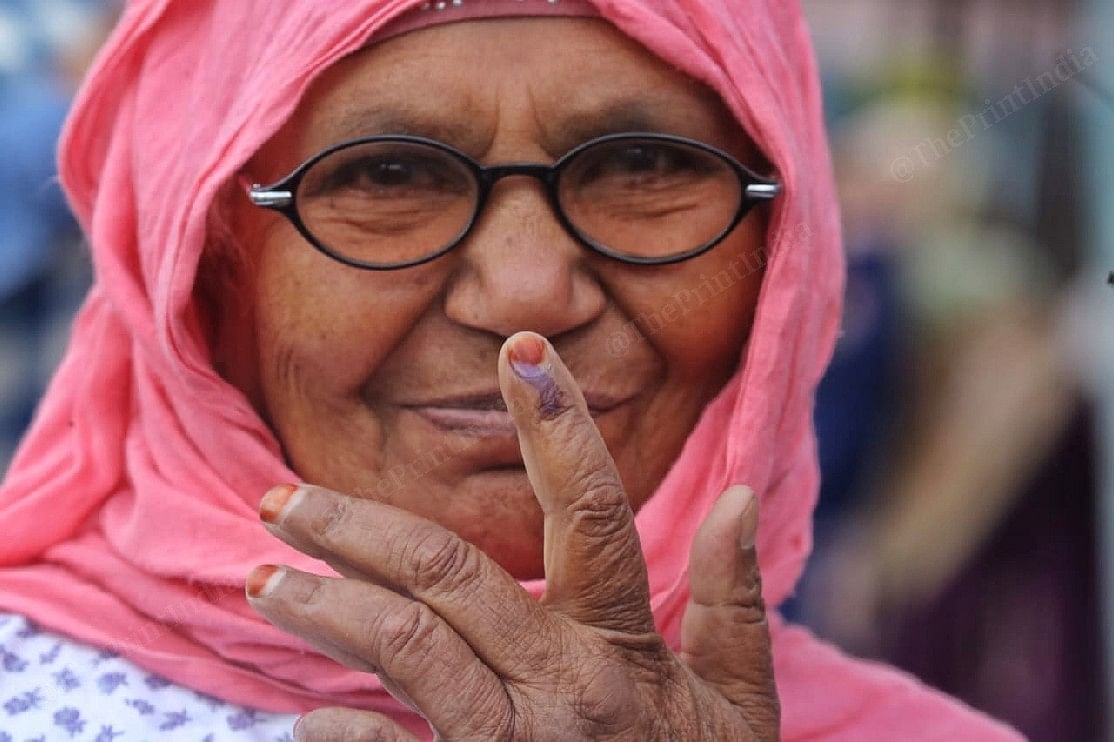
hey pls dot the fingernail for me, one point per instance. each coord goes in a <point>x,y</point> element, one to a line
<point>526,356</point>
<point>263,580</point>
<point>748,532</point>
<point>276,501</point>
<point>297,723</point>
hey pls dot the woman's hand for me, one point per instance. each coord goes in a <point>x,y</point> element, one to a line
<point>454,636</point>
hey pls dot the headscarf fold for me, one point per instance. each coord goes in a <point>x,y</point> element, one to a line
<point>129,515</point>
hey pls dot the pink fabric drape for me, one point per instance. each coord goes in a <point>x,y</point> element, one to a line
<point>129,514</point>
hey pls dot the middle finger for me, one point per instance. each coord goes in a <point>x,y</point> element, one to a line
<point>502,623</point>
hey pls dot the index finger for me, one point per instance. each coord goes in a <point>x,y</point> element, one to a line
<point>594,568</point>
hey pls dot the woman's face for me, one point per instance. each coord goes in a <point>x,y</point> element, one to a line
<point>381,384</point>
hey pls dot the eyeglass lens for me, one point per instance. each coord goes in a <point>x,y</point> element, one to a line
<point>387,202</point>
<point>390,202</point>
<point>647,198</point>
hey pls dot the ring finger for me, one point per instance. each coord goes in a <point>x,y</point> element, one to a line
<point>378,630</point>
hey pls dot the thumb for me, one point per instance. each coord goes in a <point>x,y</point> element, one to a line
<point>724,635</point>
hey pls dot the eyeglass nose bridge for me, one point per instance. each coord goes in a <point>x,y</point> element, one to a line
<point>547,175</point>
<point>489,176</point>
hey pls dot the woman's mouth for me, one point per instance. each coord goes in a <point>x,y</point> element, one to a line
<point>485,415</point>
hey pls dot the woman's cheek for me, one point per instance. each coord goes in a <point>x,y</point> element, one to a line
<point>329,321</point>
<point>697,318</point>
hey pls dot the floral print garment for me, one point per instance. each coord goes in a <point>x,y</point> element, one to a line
<point>54,689</point>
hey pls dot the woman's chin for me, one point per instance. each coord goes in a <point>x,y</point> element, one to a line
<point>487,500</point>
<point>505,521</point>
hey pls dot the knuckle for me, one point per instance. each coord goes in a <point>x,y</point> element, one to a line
<point>743,605</point>
<point>749,603</point>
<point>407,635</point>
<point>444,562</point>
<point>312,595</point>
<point>334,521</point>
<point>600,507</point>
<point>749,615</point>
<point>744,621</point>
<point>604,702</point>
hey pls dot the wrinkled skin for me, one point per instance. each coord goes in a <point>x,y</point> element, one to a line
<point>337,359</point>
<point>454,636</point>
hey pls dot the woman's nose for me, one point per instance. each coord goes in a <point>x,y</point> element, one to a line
<point>520,270</point>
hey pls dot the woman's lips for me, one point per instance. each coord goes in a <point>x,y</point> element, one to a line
<point>486,415</point>
<point>478,423</point>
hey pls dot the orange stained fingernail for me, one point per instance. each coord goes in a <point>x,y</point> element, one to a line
<point>262,580</point>
<point>273,503</point>
<point>528,350</point>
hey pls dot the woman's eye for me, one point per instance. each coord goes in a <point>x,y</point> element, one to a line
<point>643,159</point>
<point>383,172</point>
<point>643,164</point>
<point>388,175</point>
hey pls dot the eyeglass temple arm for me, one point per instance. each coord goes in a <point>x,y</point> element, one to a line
<point>265,197</point>
<point>763,191</point>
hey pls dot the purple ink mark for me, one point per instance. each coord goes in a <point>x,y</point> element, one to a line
<point>551,399</point>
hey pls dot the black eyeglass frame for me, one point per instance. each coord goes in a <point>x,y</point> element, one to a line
<point>281,196</point>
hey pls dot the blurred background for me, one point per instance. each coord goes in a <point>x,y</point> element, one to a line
<point>45,47</point>
<point>966,523</point>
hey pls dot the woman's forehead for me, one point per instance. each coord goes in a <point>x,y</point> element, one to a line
<point>568,79</point>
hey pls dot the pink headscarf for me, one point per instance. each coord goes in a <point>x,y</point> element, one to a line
<point>129,514</point>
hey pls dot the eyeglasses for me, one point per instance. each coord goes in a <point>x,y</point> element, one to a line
<point>388,202</point>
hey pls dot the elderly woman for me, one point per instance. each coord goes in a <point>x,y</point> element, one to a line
<point>520,293</point>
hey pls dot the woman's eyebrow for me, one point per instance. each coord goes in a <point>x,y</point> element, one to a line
<point>580,125</point>
<point>559,134</point>
<point>361,122</point>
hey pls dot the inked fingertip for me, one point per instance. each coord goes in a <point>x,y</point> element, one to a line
<point>526,349</point>
<point>528,357</point>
